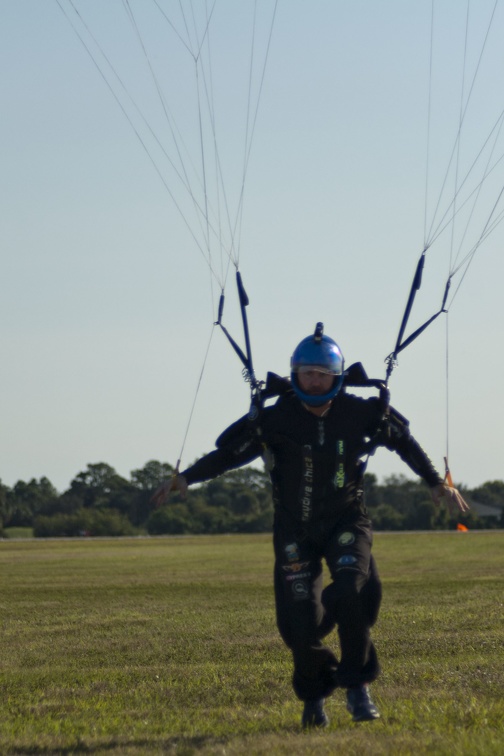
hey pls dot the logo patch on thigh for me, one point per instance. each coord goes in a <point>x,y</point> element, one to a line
<point>300,590</point>
<point>346,560</point>
<point>345,539</point>
<point>295,567</point>
<point>292,552</point>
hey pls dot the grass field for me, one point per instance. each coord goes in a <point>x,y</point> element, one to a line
<point>169,645</point>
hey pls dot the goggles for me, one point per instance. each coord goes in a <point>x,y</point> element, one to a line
<point>303,369</point>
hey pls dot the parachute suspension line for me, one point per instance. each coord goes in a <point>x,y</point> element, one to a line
<point>401,343</point>
<point>454,264</point>
<point>200,51</point>
<point>454,208</point>
<point>457,160</point>
<point>448,476</point>
<point>234,227</point>
<point>447,399</point>
<point>167,114</point>
<point>490,224</point>
<point>443,224</point>
<point>429,120</point>
<point>195,45</point>
<point>166,111</point>
<point>196,50</point>
<point>202,214</point>
<point>452,245</point>
<point>131,123</point>
<point>218,178</point>
<point>202,156</point>
<point>196,57</point>
<point>205,34</point>
<point>173,27</point>
<point>434,231</point>
<point>239,214</point>
<point>251,131</point>
<point>484,234</point>
<point>198,386</point>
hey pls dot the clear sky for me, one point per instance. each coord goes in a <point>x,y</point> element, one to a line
<point>107,300</point>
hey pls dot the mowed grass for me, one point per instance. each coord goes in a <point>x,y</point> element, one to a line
<point>169,645</point>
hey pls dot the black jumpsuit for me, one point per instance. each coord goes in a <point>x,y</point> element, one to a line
<point>317,473</point>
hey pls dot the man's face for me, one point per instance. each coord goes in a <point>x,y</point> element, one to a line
<point>314,382</point>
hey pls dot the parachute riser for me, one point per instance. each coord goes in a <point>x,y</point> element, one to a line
<point>245,358</point>
<point>391,360</point>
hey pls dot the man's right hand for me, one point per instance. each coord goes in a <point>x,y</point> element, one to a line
<point>161,494</point>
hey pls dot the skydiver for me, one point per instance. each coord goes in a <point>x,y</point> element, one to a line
<point>313,440</point>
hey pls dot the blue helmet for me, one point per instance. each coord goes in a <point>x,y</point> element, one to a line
<point>317,352</point>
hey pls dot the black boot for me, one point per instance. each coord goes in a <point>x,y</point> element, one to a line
<point>314,714</point>
<point>360,704</point>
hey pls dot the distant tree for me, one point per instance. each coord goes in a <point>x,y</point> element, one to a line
<point>402,493</point>
<point>84,522</point>
<point>420,516</point>
<point>149,477</point>
<point>385,517</point>
<point>133,497</point>
<point>262,522</point>
<point>210,517</point>
<point>217,493</point>
<point>243,498</point>
<point>99,501</point>
<point>244,502</point>
<point>5,507</point>
<point>26,500</point>
<point>372,491</point>
<point>171,519</point>
<point>99,486</point>
<point>441,518</point>
<point>249,477</point>
<point>490,493</point>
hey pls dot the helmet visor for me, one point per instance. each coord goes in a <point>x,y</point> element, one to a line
<point>303,369</point>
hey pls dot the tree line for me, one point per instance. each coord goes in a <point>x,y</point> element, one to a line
<point>100,502</point>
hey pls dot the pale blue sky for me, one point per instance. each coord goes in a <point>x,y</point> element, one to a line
<point>106,305</point>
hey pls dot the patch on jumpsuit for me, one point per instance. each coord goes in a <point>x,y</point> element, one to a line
<point>292,552</point>
<point>346,539</point>
<point>297,573</point>
<point>346,560</point>
<point>296,567</point>
<point>300,590</point>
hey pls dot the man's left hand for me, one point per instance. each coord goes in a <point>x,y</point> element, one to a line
<point>451,496</point>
